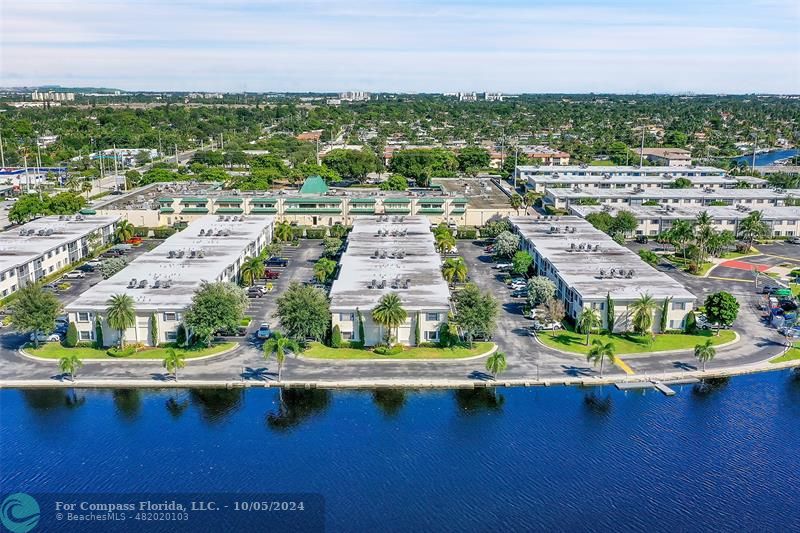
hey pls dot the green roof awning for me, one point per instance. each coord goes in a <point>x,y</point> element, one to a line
<point>437,201</point>
<point>431,211</point>
<point>314,185</point>
<point>166,210</point>
<point>398,211</point>
<point>229,200</point>
<point>458,211</point>
<point>460,201</point>
<point>229,210</point>
<point>397,200</point>
<point>263,210</point>
<point>194,200</point>
<point>166,200</point>
<point>314,200</point>
<point>312,210</point>
<point>194,210</point>
<point>263,200</point>
<point>362,200</point>
<point>88,212</point>
<point>362,210</point>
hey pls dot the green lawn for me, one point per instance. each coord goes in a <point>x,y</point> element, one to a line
<point>605,163</point>
<point>54,350</point>
<point>626,343</point>
<point>791,355</point>
<point>677,260</point>
<point>320,351</point>
<point>736,255</point>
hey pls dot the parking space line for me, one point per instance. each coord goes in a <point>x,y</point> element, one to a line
<point>624,366</point>
<point>731,279</point>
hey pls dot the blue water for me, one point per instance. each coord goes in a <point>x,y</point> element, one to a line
<point>768,158</point>
<point>560,459</point>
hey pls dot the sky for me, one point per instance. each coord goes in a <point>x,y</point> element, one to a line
<point>513,46</point>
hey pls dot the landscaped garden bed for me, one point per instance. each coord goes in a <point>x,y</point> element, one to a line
<point>320,351</point>
<point>570,341</point>
<point>54,350</point>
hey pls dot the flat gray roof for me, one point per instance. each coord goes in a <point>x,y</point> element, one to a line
<point>184,274</point>
<point>619,169</point>
<point>661,180</point>
<point>554,237</point>
<point>656,193</point>
<point>16,250</point>
<point>684,212</point>
<point>421,264</point>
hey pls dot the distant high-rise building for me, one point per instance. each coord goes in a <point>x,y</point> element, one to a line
<point>51,96</point>
<point>467,97</point>
<point>493,97</point>
<point>354,96</point>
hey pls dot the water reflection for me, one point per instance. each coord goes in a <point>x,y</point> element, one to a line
<point>598,402</point>
<point>709,386</point>
<point>389,401</point>
<point>217,404</point>
<point>297,406</point>
<point>46,399</point>
<point>475,401</point>
<point>128,403</point>
<point>177,405</point>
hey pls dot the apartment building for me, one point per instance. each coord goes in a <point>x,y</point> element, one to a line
<point>668,157</point>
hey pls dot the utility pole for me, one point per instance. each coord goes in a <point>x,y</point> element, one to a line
<point>2,155</point>
<point>755,145</point>
<point>27,176</point>
<point>516,156</point>
<point>641,153</point>
<point>116,172</point>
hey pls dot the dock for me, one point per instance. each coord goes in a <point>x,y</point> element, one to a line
<point>661,386</point>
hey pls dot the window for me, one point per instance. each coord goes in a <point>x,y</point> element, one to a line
<point>678,306</point>
<point>431,335</point>
<point>84,317</point>
<point>172,335</point>
<point>346,317</point>
<point>347,335</point>
<point>87,335</point>
<point>170,317</point>
<point>431,317</point>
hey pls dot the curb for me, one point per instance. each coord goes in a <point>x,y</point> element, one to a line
<point>385,361</point>
<point>736,339</point>
<point>25,354</point>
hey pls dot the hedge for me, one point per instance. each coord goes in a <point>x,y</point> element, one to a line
<point>550,210</point>
<point>465,232</point>
<point>297,232</point>
<point>141,231</point>
<point>315,233</point>
<point>163,233</point>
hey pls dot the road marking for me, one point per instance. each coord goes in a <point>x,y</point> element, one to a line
<point>731,279</point>
<point>623,365</point>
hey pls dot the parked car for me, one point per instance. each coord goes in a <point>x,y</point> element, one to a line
<point>704,323</point>
<point>769,289</point>
<point>793,240</point>
<point>45,337</point>
<point>641,239</point>
<point>134,241</point>
<point>503,266</point>
<point>263,331</point>
<point>86,268</point>
<point>255,292</point>
<point>277,262</point>
<point>520,293</point>
<point>271,274</point>
<point>50,287</point>
<point>515,285</point>
<point>75,274</point>
<point>546,326</point>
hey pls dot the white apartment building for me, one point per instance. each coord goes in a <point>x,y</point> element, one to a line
<point>390,254</point>
<point>48,245</point>
<point>587,266</point>
<point>163,281</point>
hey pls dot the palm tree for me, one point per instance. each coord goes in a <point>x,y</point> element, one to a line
<point>703,233</point>
<point>124,231</point>
<point>283,232</point>
<point>705,352</point>
<point>69,364</point>
<point>529,199</point>
<point>642,311</point>
<point>252,269</point>
<point>86,186</point>
<point>120,314</point>
<point>599,352</point>
<point>278,344</point>
<point>496,364</point>
<point>587,321</point>
<point>72,183</point>
<point>753,227</point>
<point>173,361</point>
<point>445,241</point>
<point>681,233</point>
<point>454,269</point>
<point>515,201</point>
<point>389,313</point>
<point>324,269</point>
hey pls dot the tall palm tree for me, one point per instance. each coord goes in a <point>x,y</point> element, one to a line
<point>753,227</point>
<point>279,345</point>
<point>515,201</point>
<point>324,269</point>
<point>173,361</point>
<point>599,352</point>
<point>642,311</point>
<point>86,186</point>
<point>389,313</point>
<point>252,269</point>
<point>69,364</point>
<point>72,183</point>
<point>123,231</point>
<point>120,314</point>
<point>496,364</point>
<point>705,352</point>
<point>587,321</point>
<point>529,199</point>
<point>283,232</point>
<point>454,269</point>
<point>681,233</point>
<point>703,232</point>
<point>445,241</point>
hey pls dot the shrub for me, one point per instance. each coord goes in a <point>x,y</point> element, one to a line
<point>163,233</point>
<point>71,340</point>
<point>690,325</point>
<point>315,233</point>
<point>389,350</point>
<point>85,345</point>
<point>63,286</point>
<point>550,210</point>
<point>141,231</point>
<point>98,333</point>
<point>466,232</point>
<point>356,345</point>
<point>180,335</point>
<point>298,232</point>
<point>336,337</point>
<point>123,352</point>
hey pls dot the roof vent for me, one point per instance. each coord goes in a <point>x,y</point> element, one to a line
<point>202,232</point>
<point>132,283</point>
<point>143,284</point>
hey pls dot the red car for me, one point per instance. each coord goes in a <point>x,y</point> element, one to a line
<point>271,274</point>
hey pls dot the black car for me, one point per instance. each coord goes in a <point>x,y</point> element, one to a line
<point>86,268</point>
<point>277,262</point>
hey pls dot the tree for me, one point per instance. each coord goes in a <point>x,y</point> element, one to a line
<point>702,233</point>
<point>283,232</point>
<point>304,312</point>
<point>215,306</point>
<point>324,269</point>
<point>496,364</point>
<point>624,223</point>
<point>71,340</point>
<point>111,266</point>
<point>86,186</point>
<point>705,352</point>
<point>494,228</point>
<point>279,345</point>
<point>355,164</point>
<point>473,157</point>
<point>611,317</point>
<point>553,311</point>
<point>690,323</point>
<point>153,323</point>
<point>642,314</point>
<point>389,313</point>
<point>475,312</point>
<point>421,164</point>
<point>454,269</point>
<point>180,335</point>
<point>98,332</point>
<point>540,290</point>
<point>25,208</point>
<point>395,182</point>
<point>663,323</point>
<point>601,220</point>
<point>649,257</point>
<point>445,241</point>
<point>252,268</point>
<point>722,308</point>
<point>599,352</point>
<point>124,231</point>
<point>120,315</point>
<point>530,198</point>
<point>35,310</point>
<point>681,183</point>
<point>521,262</point>
<point>753,227</point>
<point>506,244</point>
<point>680,234</point>
<point>587,321</point>
<point>515,201</point>
<point>331,247</point>
<point>361,334</point>
<point>69,364</point>
<point>336,337</point>
<point>174,360</point>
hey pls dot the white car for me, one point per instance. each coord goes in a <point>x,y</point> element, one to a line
<point>44,337</point>
<point>263,331</point>
<point>503,266</point>
<point>547,326</point>
<point>75,274</point>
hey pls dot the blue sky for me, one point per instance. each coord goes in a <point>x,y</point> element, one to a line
<point>702,46</point>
